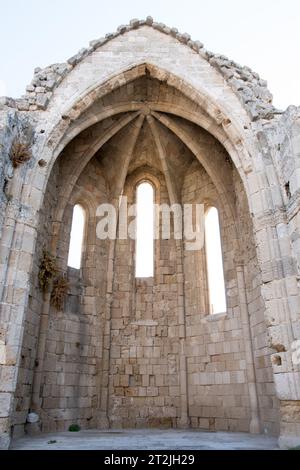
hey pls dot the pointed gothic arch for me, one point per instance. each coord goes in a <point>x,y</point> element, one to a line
<point>202,105</point>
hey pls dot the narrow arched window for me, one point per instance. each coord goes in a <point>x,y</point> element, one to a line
<point>144,251</point>
<point>214,262</point>
<point>77,237</point>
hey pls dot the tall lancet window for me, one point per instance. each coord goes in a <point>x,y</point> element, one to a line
<point>144,251</point>
<point>77,237</point>
<point>214,262</point>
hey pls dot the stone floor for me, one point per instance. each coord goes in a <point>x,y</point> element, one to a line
<point>145,440</point>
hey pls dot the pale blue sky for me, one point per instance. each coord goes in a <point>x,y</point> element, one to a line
<point>263,34</point>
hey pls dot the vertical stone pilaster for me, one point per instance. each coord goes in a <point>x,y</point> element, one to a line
<point>255,426</point>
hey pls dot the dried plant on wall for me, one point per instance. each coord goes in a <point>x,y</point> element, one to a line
<point>20,152</point>
<point>47,270</point>
<point>59,292</point>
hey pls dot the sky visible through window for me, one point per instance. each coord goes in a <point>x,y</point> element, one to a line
<point>214,262</point>
<point>144,255</point>
<point>76,239</point>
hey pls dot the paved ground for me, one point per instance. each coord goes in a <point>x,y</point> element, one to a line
<point>146,440</point>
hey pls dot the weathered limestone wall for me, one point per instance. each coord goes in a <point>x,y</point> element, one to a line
<point>287,360</point>
<point>250,89</point>
<point>217,381</point>
<point>189,89</point>
<point>268,403</point>
<point>215,345</point>
<point>144,364</point>
<point>276,233</point>
<point>217,349</point>
<point>14,127</point>
<point>23,395</point>
<point>7,360</point>
<point>73,353</point>
<point>6,170</point>
<point>73,348</point>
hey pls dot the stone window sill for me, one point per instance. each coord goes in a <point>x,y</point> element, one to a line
<point>216,316</point>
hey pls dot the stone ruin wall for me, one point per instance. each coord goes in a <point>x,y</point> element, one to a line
<point>144,381</point>
<point>76,341</point>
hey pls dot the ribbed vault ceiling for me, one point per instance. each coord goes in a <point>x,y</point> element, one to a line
<point>147,132</point>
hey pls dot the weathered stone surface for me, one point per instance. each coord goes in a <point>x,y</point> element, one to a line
<point>246,84</point>
<point>148,103</point>
<point>78,57</point>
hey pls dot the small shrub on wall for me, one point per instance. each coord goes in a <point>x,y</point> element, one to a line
<point>19,152</point>
<point>59,292</point>
<point>47,270</point>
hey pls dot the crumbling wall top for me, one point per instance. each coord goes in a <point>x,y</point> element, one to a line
<point>251,90</point>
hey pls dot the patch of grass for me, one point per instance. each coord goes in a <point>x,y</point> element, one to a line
<point>295,448</point>
<point>74,428</point>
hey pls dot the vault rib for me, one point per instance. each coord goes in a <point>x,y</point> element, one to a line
<point>90,152</point>
<point>193,147</point>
